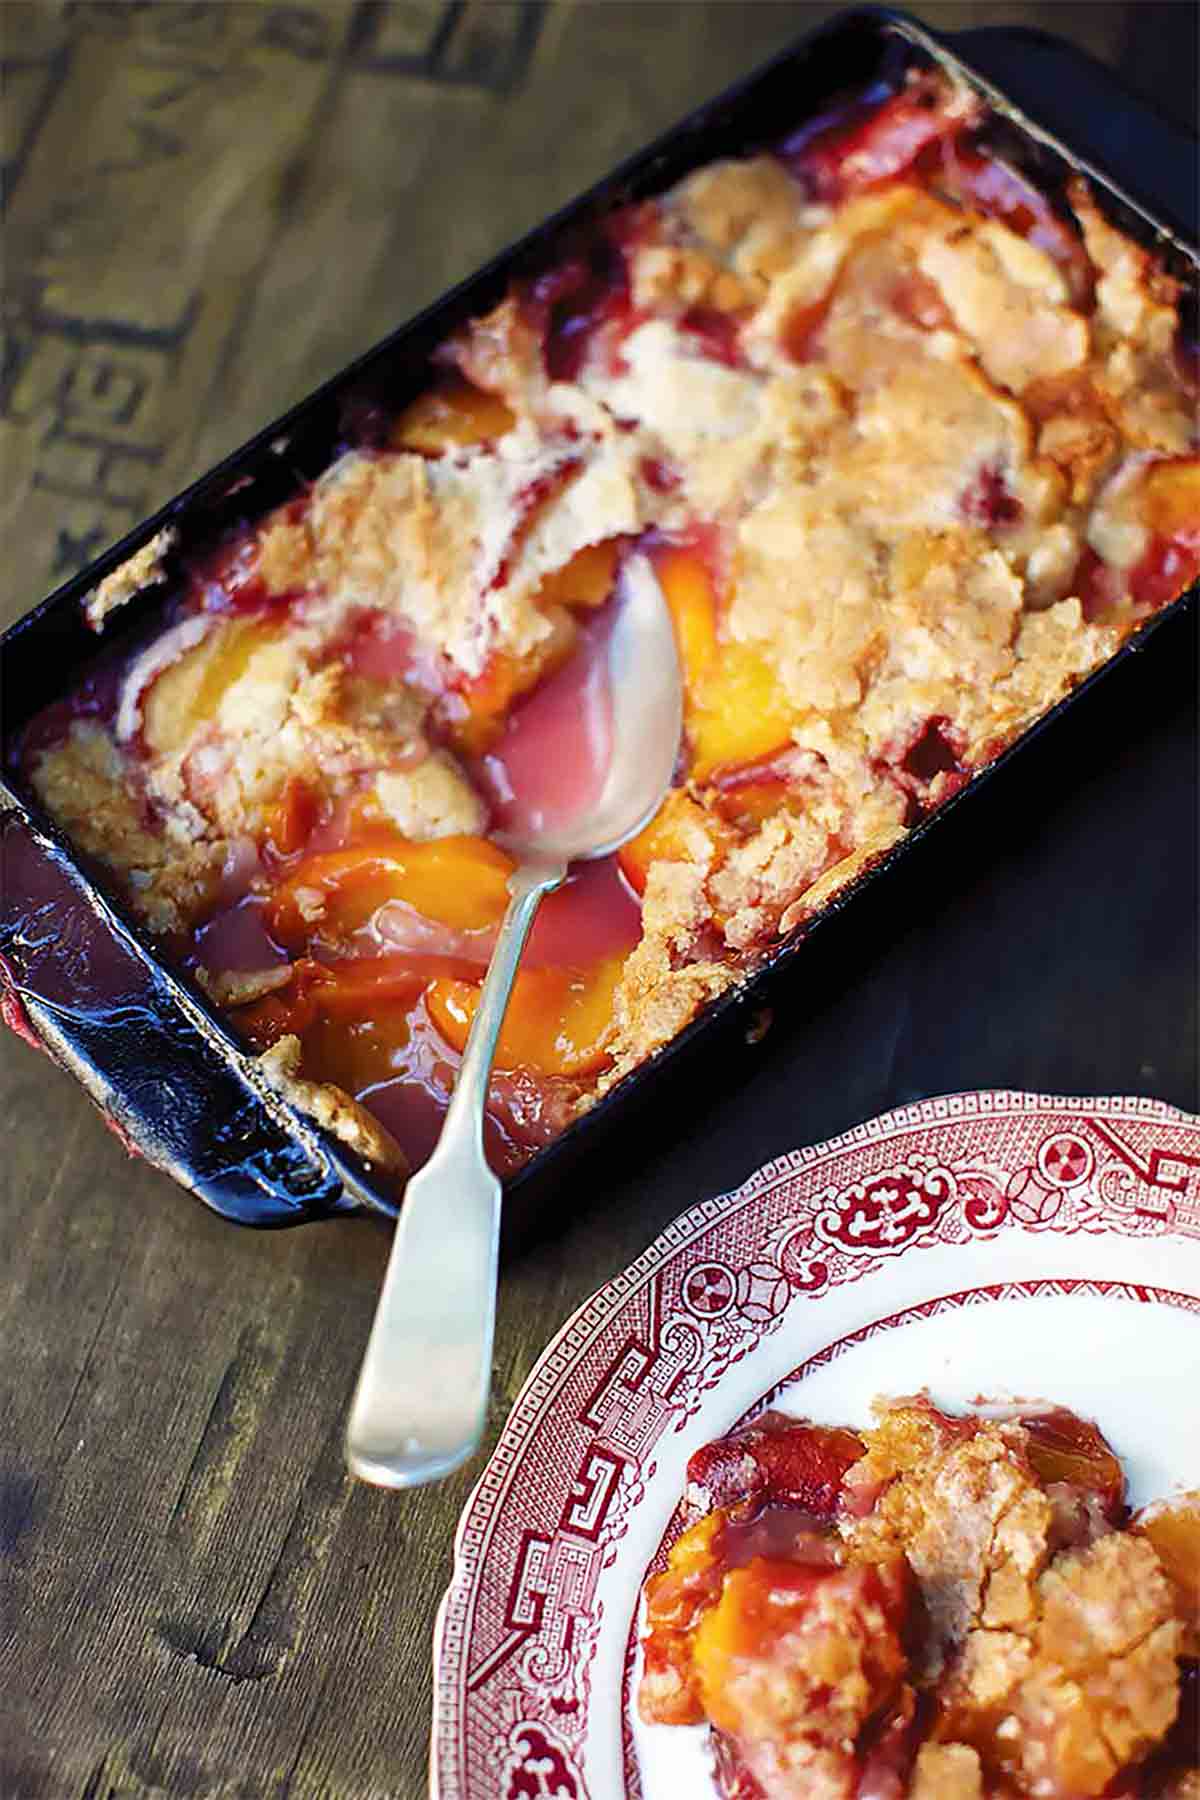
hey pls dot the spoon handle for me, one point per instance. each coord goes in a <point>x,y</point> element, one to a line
<point>421,1401</point>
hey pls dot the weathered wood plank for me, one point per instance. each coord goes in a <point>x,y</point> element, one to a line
<point>143,209</point>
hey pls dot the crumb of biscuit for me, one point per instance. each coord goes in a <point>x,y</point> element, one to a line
<point>330,1107</point>
<point>145,568</point>
<point>238,987</point>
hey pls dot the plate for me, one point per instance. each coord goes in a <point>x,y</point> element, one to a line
<point>1012,1245</point>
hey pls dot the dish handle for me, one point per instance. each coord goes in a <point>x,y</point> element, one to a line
<point>76,984</point>
<point>1095,114</point>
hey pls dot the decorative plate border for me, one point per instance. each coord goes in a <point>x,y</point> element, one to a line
<point>517,1632</point>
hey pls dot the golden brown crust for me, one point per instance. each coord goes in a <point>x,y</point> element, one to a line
<point>1008,298</point>
<point>1084,1687</point>
<point>330,1107</point>
<point>969,1515</point>
<point>947,1772</point>
<point>169,876</point>
<point>500,353</point>
<point>1136,325</point>
<point>747,213</point>
<point>1173,1527</point>
<point>1060,1665</point>
<point>238,987</point>
<point>143,569</point>
<point>431,800</point>
<point>665,982</point>
<point>666,275</point>
<point>285,557</point>
<point>457,546</point>
<point>758,878</point>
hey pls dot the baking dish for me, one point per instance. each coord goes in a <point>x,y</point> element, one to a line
<point>295,1172</point>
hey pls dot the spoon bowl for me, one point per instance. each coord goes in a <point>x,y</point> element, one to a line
<point>647,718</point>
<point>420,1406</point>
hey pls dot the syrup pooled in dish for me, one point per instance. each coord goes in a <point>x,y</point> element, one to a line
<point>913,450</point>
<point>949,1608</point>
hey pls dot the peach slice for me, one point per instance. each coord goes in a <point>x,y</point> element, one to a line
<point>676,1599</point>
<point>458,881</point>
<point>1172,497</point>
<point>1171,507</point>
<point>354,991</point>
<point>751,803</point>
<point>586,580</point>
<point>450,416</point>
<point>473,712</point>
<point>746,794</point>
<point>181,682</point>
<point>290,821</point>
<point>690,593</point>
<point>735,709</point>
<point>558,1020</point>
<point>740,714</point>
<point>763,1655</point>
<point>353,1016</point>
<point>1173,1527</point>
<point>667,838</point>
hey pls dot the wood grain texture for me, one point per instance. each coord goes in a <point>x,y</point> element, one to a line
<point>212,207</point>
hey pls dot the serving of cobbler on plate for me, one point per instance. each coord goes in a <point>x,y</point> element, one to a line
<point>948,1607</point>
<point>913,450</point>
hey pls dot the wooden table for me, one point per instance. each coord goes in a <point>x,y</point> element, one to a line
<point>212,207</point>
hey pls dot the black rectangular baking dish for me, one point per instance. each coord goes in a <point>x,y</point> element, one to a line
<point>76,977</point>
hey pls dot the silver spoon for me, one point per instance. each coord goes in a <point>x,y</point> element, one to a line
<point>421,1401</point>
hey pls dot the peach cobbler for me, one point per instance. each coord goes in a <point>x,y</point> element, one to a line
<point>912,448</point>
<point>950,1608</point>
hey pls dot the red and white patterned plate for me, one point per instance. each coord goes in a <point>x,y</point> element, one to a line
<point>1006,1244</point>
